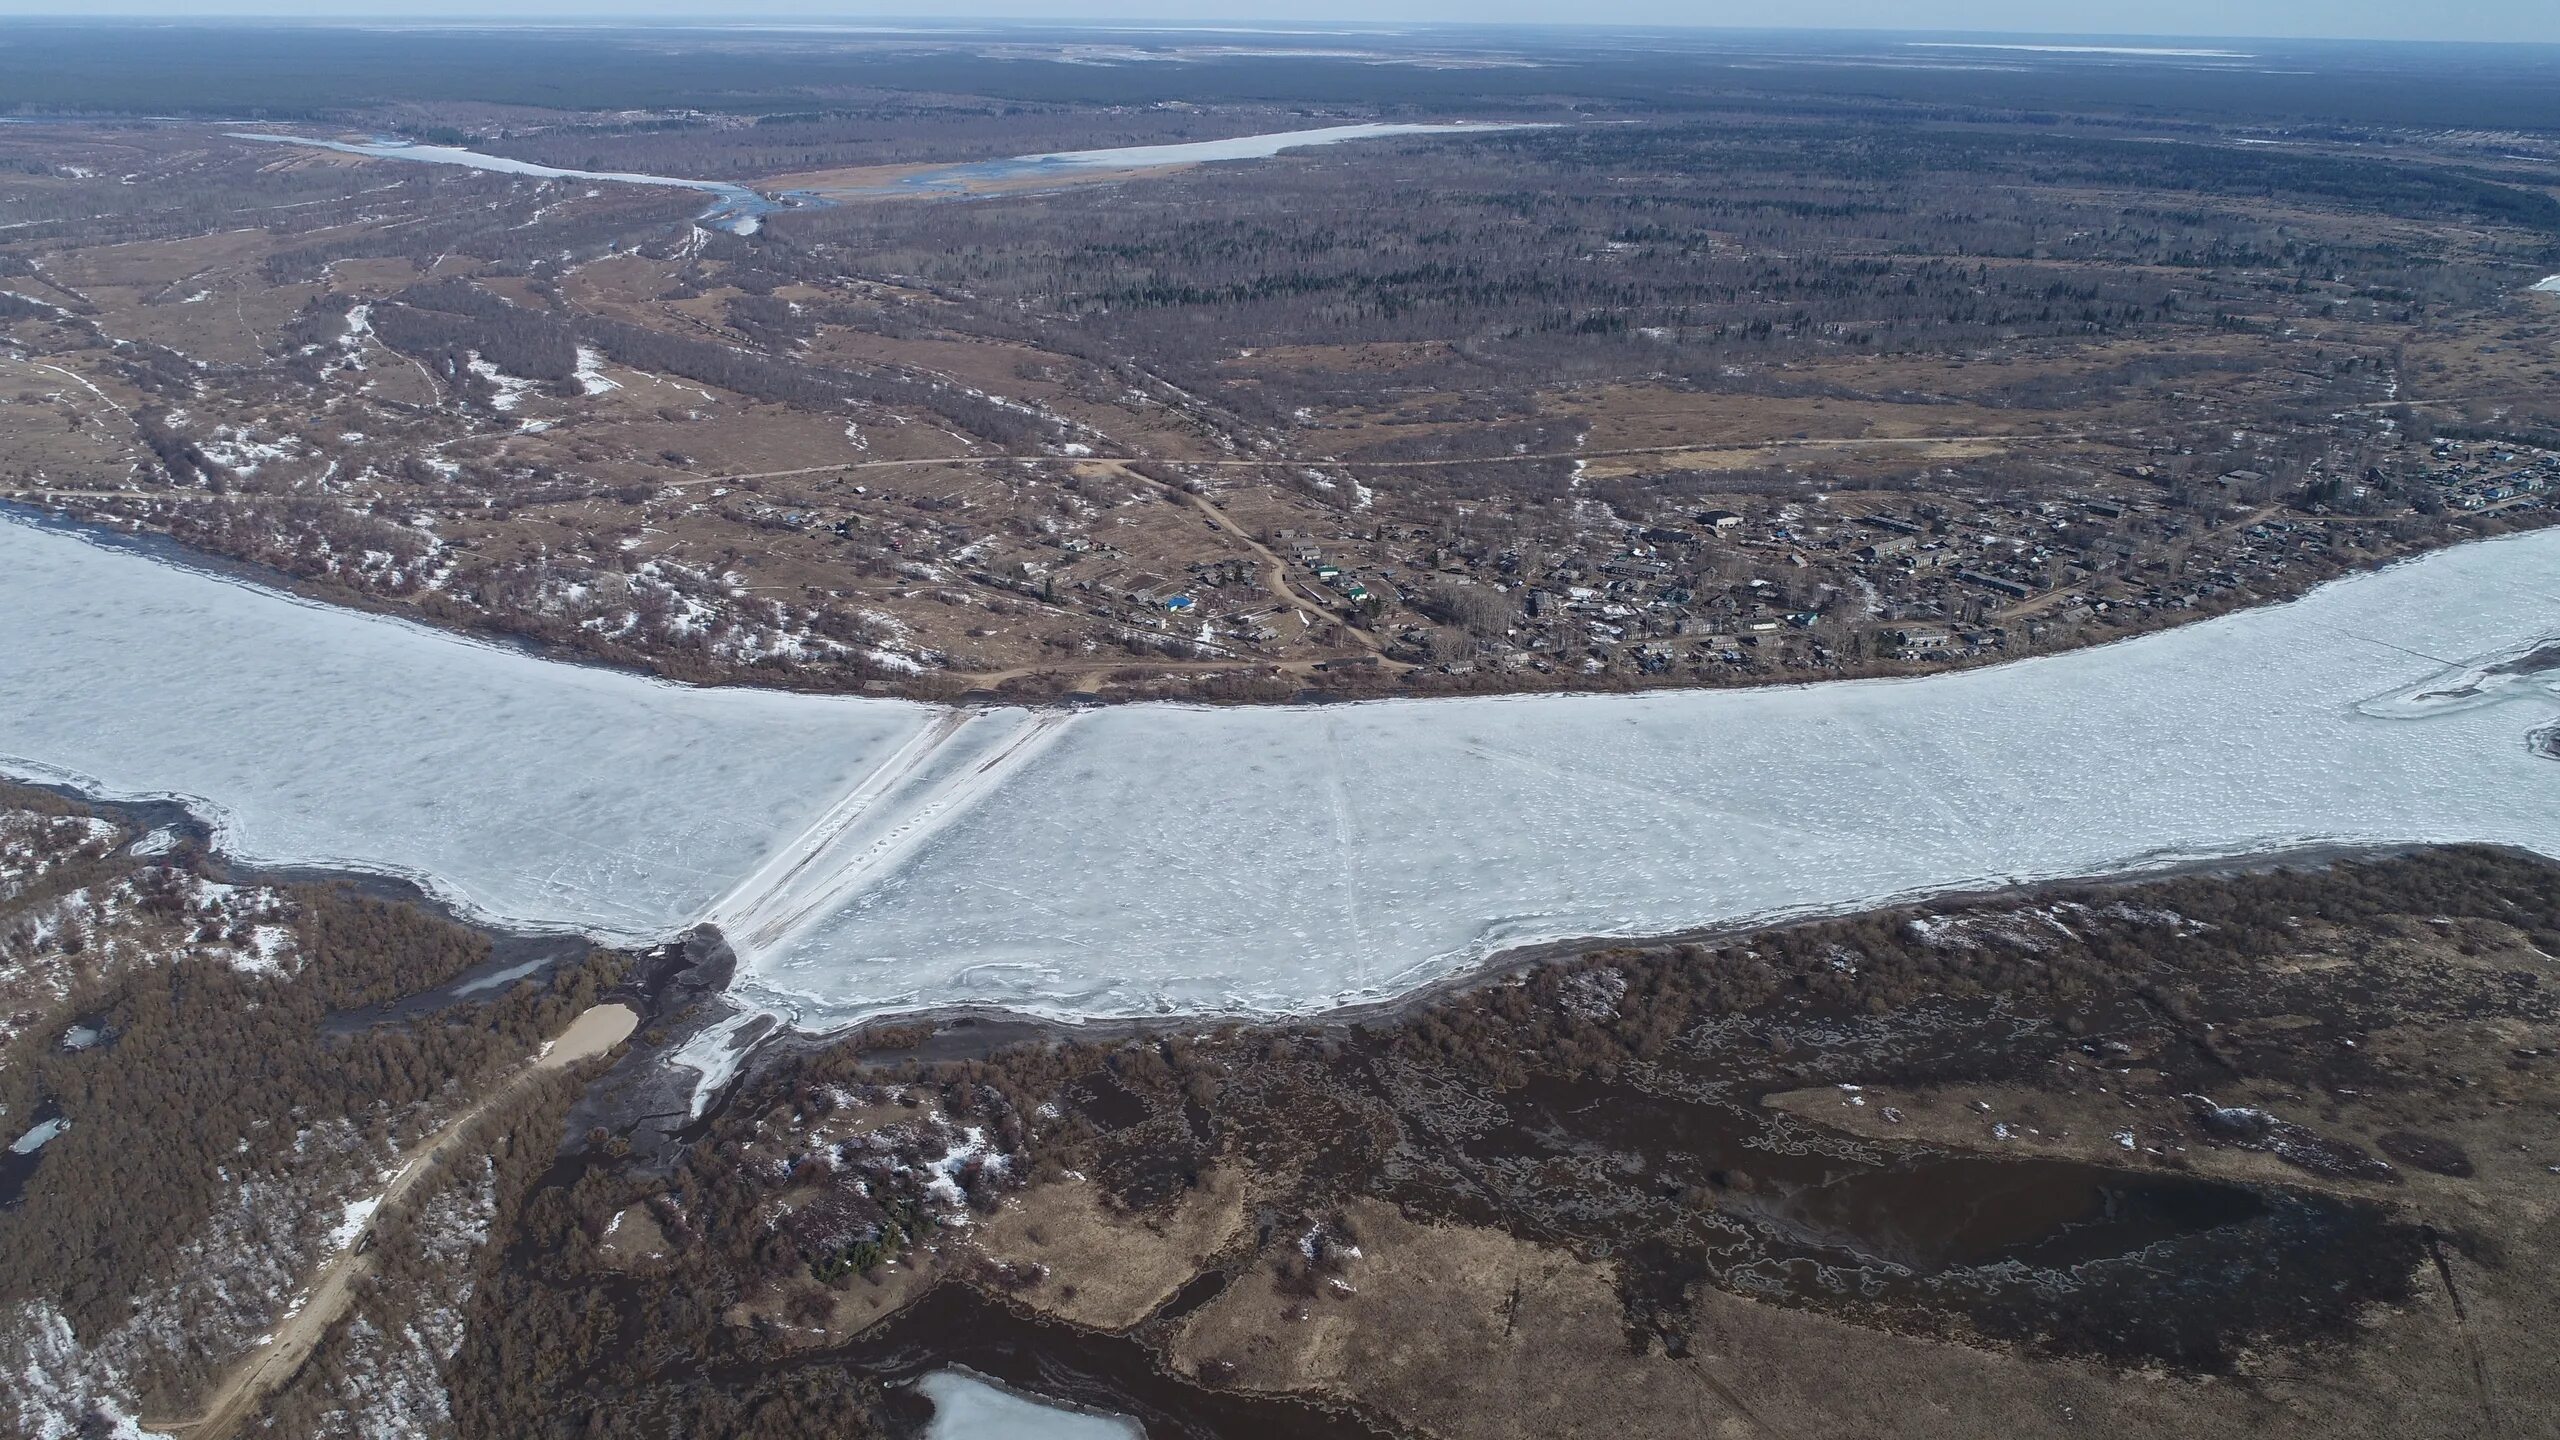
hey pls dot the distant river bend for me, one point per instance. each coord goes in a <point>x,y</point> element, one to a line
<point>741,209</point>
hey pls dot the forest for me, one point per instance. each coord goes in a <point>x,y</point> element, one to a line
<point>2318,988</point>
<point>1427,414</point>
<point>222,1098</point>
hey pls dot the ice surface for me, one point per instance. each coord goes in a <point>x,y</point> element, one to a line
<point>1249,147</point>
<point>1194,152</point>
<point>948,768</point>
<point>38,1136</point>
<point>869,856</point>
<point>968,1408</point>
<point>739,208</point>
<point>525,790</point>
<point>2483,680</point>
<point>1263,861</point>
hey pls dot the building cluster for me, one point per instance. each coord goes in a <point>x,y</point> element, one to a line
<point>1823,584</point>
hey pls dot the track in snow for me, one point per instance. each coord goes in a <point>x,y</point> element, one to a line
<point>950,766</point>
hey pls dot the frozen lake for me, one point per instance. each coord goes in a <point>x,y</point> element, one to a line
<point>869,856</point>
<point>968,1408</point>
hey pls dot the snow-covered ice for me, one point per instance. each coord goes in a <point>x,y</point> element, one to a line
<point>1250,147</point>
<point>870,856</point>
<point>739,210</point>
<point>1060,163</point>
<point>966,1407</point>
<point>38,1136</point>
<point>1275,860</point>
<point>531,792</point>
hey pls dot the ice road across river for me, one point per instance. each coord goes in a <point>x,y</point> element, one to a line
<point>868,856</point>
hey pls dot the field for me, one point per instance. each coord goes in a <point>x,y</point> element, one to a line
<point>1675,391</point>
<point>2249,1151</point>
<point>405,1035</point>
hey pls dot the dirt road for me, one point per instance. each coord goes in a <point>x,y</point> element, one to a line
<point>1300,461</point>
<point>1275,575</point>
<point>258,1373</point>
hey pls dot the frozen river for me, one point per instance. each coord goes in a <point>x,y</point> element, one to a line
<point>1072,164</point>
<point>735,208</point>
<point>869,856</point>
<point>741,209</point>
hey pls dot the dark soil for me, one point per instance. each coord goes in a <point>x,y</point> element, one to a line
<point>1610,1106</point>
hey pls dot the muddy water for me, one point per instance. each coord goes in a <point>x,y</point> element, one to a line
<point>955,1326</point>
<point>596,1030</point>
<point>1915,1214</point>
<point>1940,1213</point>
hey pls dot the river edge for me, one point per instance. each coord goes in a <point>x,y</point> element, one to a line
<point>720,1038</point>
<point>514,952</point>
<point>162,548</point>
<point>681,988</point>
<point>759,1039</point>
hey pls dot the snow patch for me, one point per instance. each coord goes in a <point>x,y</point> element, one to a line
<point>590,372</point>
<point>352,1222</point>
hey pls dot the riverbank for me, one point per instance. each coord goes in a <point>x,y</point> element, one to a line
<point>954,1034</point>
<point>1346,854</point>
<point>1623,1178</point>
<point>1346,679</point>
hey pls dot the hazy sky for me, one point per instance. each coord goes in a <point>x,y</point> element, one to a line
<point>2509,20</point>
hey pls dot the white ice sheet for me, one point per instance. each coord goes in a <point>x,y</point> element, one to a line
<point>871,856</point>
<point>525,790</point>
<point>1264,861</point>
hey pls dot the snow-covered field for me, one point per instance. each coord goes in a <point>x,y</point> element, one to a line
<point>872,856</point>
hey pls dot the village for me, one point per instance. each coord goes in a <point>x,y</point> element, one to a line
<point>1818,585</point>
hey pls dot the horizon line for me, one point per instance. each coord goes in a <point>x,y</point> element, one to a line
<point>429,19</point>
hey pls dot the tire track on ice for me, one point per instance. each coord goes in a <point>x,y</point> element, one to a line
<point>945,772</point>
<point>791,863</point>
